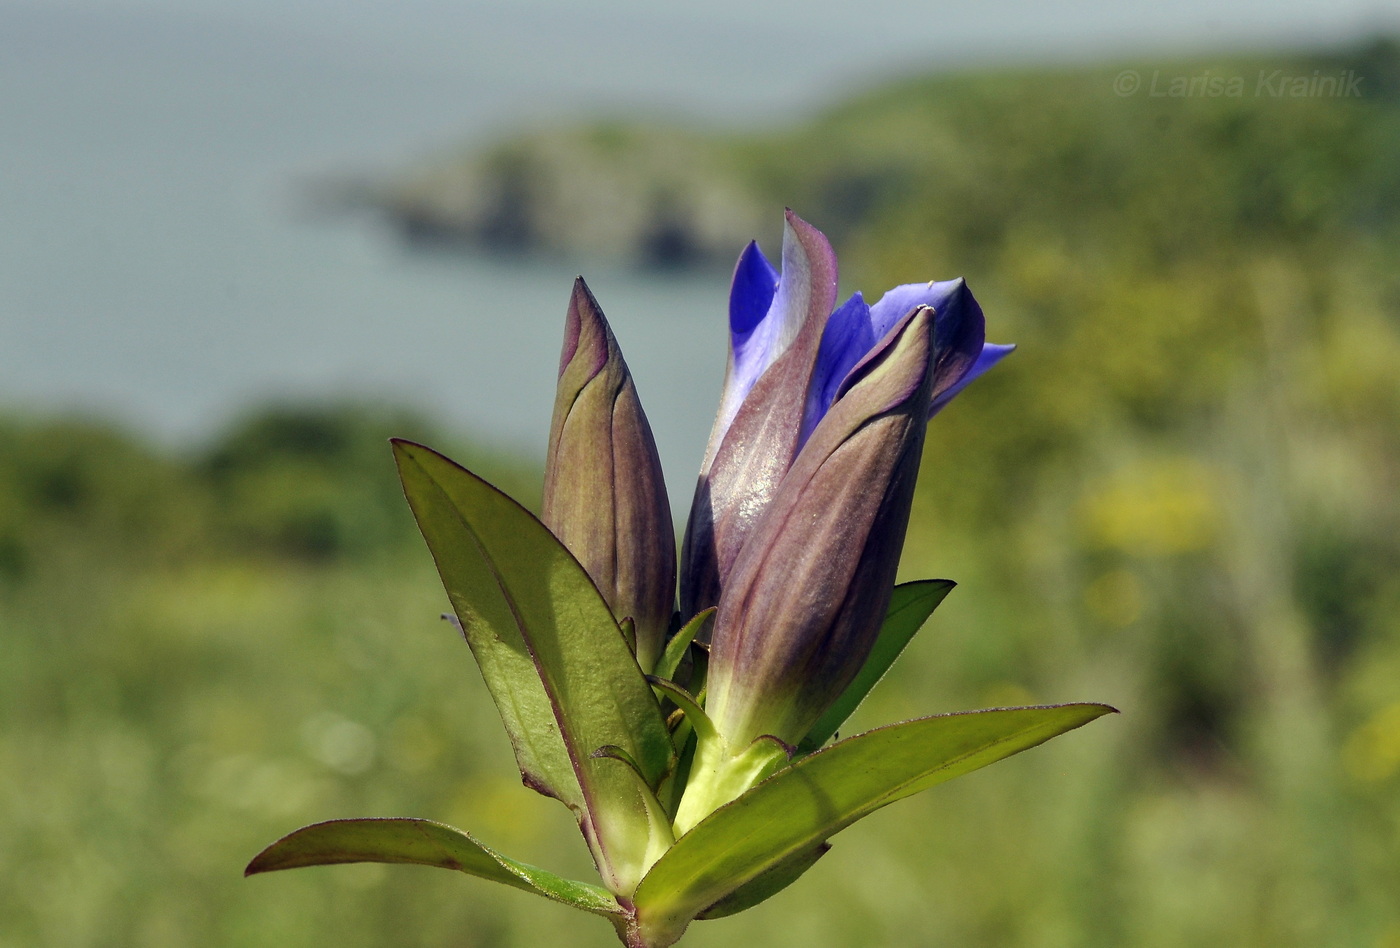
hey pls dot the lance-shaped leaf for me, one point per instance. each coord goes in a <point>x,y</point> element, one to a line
<point>805,600</point>
<point>562,675</point>
<point>423,843</point>
<point>680,642</point>
<point>770,883</point>
<point>604,495</point>
<point>802,806</point>
<point>756,434</point>
<point>486,618</point>
<point>910,606</point>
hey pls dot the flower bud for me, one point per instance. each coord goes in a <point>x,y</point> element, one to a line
<point>604,497</point>
<point>775,325</point>
<point>807,594</point>
<point>789,354</point>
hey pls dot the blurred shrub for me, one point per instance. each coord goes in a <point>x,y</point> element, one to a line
<point>316,484</point>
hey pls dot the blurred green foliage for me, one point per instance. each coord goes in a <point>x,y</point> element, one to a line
<point>1178,497</point>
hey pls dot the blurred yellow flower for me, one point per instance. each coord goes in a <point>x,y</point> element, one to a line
<point>1372,752</point>
<point>1155,508</point>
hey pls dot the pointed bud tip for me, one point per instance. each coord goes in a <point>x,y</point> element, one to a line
<point>584,324</point>
<point>581,295</point>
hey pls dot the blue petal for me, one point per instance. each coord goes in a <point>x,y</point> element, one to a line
<point>846,340</point>
<point>959,332</point>
<point>755,282</point>
<point>898,302</point>
<point>991,354</point>
<point>753,336</point>
<point>768,310</point>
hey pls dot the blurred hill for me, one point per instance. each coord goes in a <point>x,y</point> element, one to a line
<point>1179,496</point>
<point>1244,149</point>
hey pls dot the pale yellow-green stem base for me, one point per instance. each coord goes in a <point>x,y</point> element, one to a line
<point>718,776</point>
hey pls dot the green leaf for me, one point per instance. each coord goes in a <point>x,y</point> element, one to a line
<point>694,713</point>
<point>910,607</point>
<point>675,649</point>
<point>801,806</point>
<point>490,627</point>
<point>562,674</point>
<point>767,885</point>
<point>660,836</point>
<point>423,843</point>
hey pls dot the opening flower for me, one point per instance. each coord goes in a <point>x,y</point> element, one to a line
<point>789,354</point>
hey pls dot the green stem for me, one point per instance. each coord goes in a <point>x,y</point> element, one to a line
<point>629,932</point>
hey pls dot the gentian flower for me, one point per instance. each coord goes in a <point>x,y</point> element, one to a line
<point>789,354</point>
<point>805,494</point>
<point>604,496</point>
<point>813,581</point>
<point>700,803</point>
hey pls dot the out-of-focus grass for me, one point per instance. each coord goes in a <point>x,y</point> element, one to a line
<point>1178,497</point>
<point>187,679</point>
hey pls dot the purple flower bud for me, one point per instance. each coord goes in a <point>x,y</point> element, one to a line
<point>604,497</point>
<point>775,326</point>
<point>789,356</point>
<point>809,590</point>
